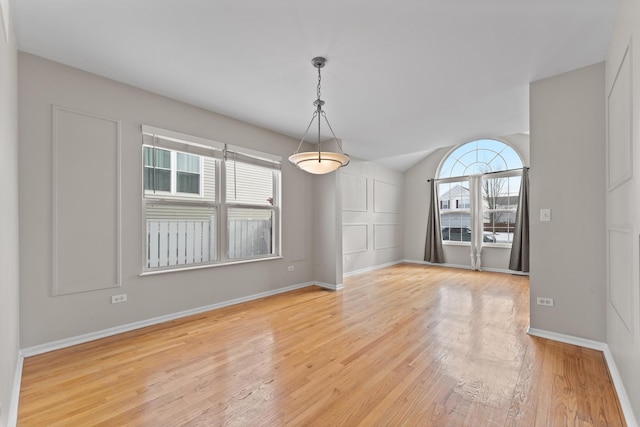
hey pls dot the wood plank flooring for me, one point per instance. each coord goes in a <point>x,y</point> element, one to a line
<point>406,345</point>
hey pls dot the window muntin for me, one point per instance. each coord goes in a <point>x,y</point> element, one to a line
<point>499,192</point>
<point>218,203</point>
<point>157,172</point>
<point>171,172</point>
<point>188,173</point>
<point>480,157</point>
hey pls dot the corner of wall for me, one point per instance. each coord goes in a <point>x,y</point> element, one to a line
<point>567,168</point>
<point>9,244</point>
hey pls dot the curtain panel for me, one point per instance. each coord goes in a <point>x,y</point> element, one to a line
<point>433,251</point>
<point>519,260</point>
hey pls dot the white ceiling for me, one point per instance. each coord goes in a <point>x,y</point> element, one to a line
<point>403,77</point>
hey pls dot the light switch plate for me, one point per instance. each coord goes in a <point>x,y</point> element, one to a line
<point>545,215</point>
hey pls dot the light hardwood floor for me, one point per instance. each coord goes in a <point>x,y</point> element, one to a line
<point>406,345</point>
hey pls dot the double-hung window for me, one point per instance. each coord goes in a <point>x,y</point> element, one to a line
<point>455,215</point>
<point>207,203</point>
<point>500,193</point>
<point>250,209</point>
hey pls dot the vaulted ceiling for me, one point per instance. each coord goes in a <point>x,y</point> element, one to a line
<point>403,77</point>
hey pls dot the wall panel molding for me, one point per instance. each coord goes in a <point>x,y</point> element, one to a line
<point>86,202</point>
<point>355,238</point>
<point>354,193</point>
<point>620,128</point>
<point>386,197</point>
<point>386,236</point>
<point>620,274</point>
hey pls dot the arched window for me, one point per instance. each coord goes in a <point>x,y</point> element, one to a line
<point>480,157</point>
<point>500,168</point>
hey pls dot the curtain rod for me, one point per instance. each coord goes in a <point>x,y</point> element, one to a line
<point>488,173</point>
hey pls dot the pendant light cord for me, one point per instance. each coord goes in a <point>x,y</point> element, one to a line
<point>319,112</point>
<point>319,81</point>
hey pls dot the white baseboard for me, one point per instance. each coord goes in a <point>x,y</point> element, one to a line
<point>567,339</point>
<point>416,261</point>
<point>466,267</point>
<point>15,393</point>
<point>505,271</point>
<point>625,403</point>
<point>375,267</point>
<point>329,286</point>
<point>68,342</point>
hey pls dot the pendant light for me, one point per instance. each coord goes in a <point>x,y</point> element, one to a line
<point>319,162</point>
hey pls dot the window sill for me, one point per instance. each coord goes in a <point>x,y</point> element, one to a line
<point>450,243</point>
<point>203,266</point>
<point>484,244</point>
<point>497,245</point>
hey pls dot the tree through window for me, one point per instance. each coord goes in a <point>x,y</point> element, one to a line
<point>501,169</point>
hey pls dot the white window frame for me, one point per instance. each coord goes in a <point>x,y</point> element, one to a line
<point>219,152</point>
<point>450,210</point>
<point>224,217</point>
<point>496,174</point>
<point>173,171</point>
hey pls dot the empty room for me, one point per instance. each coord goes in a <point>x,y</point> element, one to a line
<point>319,213</point>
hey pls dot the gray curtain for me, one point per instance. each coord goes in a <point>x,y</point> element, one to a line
<point>520,248</point>
<point>433,251</point>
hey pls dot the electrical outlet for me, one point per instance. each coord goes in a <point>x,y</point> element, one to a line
<point>115,299</point>
<point>545,301</point>
<point>291,268</point>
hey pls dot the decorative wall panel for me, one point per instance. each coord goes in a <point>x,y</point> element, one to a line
<point>620,129</point>
<point>354,192</point>
<point>620,278</point>
<point>386,197</point>
<point>386,236</point>
<point>86,193</point>
<point>354,238</point>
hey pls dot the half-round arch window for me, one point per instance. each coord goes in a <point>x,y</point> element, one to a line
<point>480,157</point>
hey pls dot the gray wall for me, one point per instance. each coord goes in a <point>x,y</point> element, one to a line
<point>327,242</point>
<point>567,176</point>
<point>9,327</point>
<point>372,215</point>
<point>417,208</point>
<point>44,317</point>
<point>623,198</point>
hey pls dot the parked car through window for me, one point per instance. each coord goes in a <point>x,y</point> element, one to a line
<point>463,234</point>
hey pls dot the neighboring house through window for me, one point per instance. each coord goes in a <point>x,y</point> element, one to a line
<point>500,167</point>
<point>171,172</point>
<point>207,203</point>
